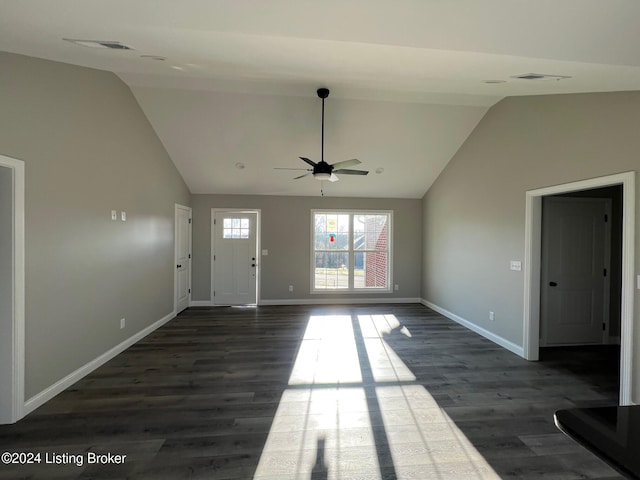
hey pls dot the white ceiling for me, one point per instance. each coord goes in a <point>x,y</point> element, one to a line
<point>406,77</point>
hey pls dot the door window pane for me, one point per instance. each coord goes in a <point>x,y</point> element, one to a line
<point>235,228</point>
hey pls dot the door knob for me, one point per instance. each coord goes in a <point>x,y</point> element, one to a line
<point>553,284</point>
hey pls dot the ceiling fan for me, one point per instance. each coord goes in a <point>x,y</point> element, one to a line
<point>322,170</point>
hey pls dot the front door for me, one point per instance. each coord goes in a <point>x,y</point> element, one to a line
<point>235,257</point>
<point>574,273</point>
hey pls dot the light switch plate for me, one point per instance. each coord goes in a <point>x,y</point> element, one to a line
<point>123,215</point>
<point>516,265</point>
<point>265,252</point>
<point>114,215</point>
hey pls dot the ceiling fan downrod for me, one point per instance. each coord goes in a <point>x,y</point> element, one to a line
<point>322,93</point>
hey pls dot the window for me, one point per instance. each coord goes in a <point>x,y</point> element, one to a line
<point>235,228</point>
<point>351,251</point>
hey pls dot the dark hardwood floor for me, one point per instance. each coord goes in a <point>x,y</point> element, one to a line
<point>369,392</point>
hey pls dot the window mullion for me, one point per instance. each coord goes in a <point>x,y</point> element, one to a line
<point>351,254</point>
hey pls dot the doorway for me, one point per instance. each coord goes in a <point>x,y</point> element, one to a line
<point>235,236</point>
<point>532,278</point>
<point>12,289</point>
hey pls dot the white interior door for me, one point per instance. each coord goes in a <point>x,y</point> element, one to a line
<point>235,257</point>
<point>574,297</point>
<point>183,258</point>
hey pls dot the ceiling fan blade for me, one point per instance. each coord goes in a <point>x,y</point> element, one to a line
<point>351,172</point>
<point>301,176</point>
<point>310,162</point>
<point>284,168</point>
<point>333,178</point>
<point>346,163</point>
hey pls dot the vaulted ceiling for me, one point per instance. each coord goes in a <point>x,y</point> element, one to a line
<point>232,92</point>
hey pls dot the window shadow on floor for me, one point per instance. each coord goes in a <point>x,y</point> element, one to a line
<point>503,404</point>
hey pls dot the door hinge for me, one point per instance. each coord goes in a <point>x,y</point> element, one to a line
<point>214,258</point>
<point>189,290</point>
<point>604,327</point>
<point>214,293</point>
<point>189,255</point>
<point>189,220</point>
<point>214,221</point>
<point>605,272</point>
<point>606,218</point>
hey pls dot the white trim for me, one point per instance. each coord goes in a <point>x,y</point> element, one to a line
<point>337,301</point>
<point>531,320</point>
<point>175,254</point>
<point>202,303</point>
<point>350,290</point>
<point>258,213</point>
<point>503,342</point>
<point>17,341</point>
<point>58,387</point>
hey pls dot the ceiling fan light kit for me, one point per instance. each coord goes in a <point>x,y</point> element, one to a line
<point>323,170</point>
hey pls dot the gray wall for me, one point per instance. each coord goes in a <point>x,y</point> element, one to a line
<point>88,149</point>
<point>6,276</point>
<point>286,233</point>
<point>474,214</point>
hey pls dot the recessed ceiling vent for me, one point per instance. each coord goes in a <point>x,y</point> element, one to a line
<point>540,77</point>
<point>99,44</point>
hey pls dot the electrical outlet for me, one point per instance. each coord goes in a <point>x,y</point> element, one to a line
<point>122,322</point>
<point>291,288</point>
<point>123,216</point>
<point>492,316</point>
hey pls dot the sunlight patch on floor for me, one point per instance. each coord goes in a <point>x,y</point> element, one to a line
<point>337,418</point>
<point>328,353</point>
<point>354,411</point>
<point>422,437</point>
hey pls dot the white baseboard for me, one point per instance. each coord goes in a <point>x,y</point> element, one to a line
<point>512,347</point>
<point>201,303</point>
<point>48,393</point>
<point>337,301</point>
<point>316,301</point>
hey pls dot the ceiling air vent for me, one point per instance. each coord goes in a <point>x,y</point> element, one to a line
<point>540,76</point>
<point>99,44</point>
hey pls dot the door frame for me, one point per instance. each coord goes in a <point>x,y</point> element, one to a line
<point>175,255</point>
<point>14,374</point>
<point>532,254</point>
<point>258,213</point>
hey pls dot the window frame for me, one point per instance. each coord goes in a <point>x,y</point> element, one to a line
<point>351,252</point>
